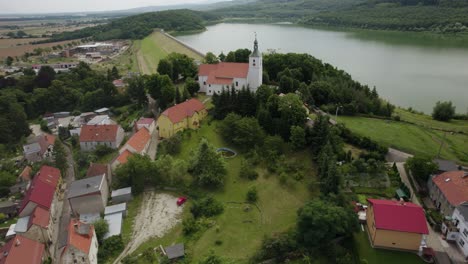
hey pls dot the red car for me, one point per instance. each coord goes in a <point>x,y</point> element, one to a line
<point>181,200</point>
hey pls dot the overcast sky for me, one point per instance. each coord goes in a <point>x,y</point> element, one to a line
<point>54,6</point>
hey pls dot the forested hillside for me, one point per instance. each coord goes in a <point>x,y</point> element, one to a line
<point>139,26</point>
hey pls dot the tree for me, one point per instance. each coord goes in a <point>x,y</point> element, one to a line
<point>297,137</point>
<point>443,111</point>
<point>9,61</point>
<point>101,227</point>
<point>137,172</point>
<point>222,57</point>
<point>208,166</point>
<point>178,98</point>
<point>212,259</point>
<point>136,90</point>
<point>110,247</point>
<point>252,195</point>
<point>45,76</point>
<point>168,93</point>
<point>421,167</point>
<point>320,222</point>
<point>210,58</point>
<point>7,179</point>
<point>244,132</point>
<point>115,73</point>
<point>206,207</point>
<point>165,67</point>
<point>328,174</point>
<point>60,157</point>
<point>192,86</point>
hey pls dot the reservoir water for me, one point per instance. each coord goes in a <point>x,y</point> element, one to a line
<point>409,70</point>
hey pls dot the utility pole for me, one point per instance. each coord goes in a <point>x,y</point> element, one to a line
<point>336,113</point>
<point>441,144</point>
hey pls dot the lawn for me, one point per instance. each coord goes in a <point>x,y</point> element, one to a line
<point>240,231</point>
<point>410,138</point>
<point>9,222</point>
<point>427,121</point>
<point>382,256</point>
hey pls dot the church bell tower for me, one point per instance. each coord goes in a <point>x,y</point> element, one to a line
<point>255,74</point>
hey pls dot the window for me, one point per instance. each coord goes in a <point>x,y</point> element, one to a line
<point>209,91</point>
<point>209,85</point>
<point>204,83</point>
<point>461,242</point>
<point>237,83</point>
<point>465,232</point>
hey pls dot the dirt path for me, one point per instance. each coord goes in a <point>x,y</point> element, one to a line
<point>158,214</point>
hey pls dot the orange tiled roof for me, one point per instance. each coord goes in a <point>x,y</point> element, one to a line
<point>22,250</point>
<point>40,217</point>
<point>454,186</point>
<point>223,72</point>
<point>123,157</point>
<point>80,241</point>
<point>26,173</point>
<point>179,112</point>
<point>96,169</point>
<point>139,140</point>
<point>98,133</point>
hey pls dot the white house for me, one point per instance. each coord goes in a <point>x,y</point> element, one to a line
<point>213,78</point>
<point>93,135</point>
<point>460,220</point>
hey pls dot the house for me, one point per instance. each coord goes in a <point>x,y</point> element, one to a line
<point>25,175</point>
<point>108,135</point>
<point>85,117</point>
<point>396,224</point>
<point>448,190</point>
<point>101,120</point>
<point>82,245</point>
<point>115,224</point>
<point>19,187</point>
<point>180,117</point>
<point>8,208</point>
<point>22,250</point>
<point>121,159</point>
<point>138,143</point>
<point>42,192</point>
<point>88,195</point>
<point>122,195</point>
<point>41,148</point>
<point>174,252</point>
<point>118,83</point>
<point>445,165</point>
<point>38,226</point>
<point>118,208</point>
<point>213,78</point>
<point>96,169</point>
<point>149,123</point>
<point>456,229</point>
<point>90,218</point>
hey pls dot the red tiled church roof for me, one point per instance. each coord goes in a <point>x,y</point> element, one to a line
<point>22,250</point>
<point>98,133</point>
<point>179,112</point>
<point>454,186</point>
<point>223,72</point>
<point>392,215</point>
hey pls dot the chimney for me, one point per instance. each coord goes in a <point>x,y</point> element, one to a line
<point>17,243</point>
<point>402,202</point>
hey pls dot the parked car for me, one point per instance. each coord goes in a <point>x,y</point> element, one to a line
<point>181,200</point>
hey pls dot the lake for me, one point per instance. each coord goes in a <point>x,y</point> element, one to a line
<point>408,69</point>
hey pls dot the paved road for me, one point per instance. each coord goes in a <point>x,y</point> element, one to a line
<point>65,216</point>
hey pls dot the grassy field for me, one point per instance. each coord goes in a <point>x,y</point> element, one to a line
<point>427,122</point>
<point>410,138</point>
<point>155,47</point>
<point>241,232</point>
<point>382,256</point>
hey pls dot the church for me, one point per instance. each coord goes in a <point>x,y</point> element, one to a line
<point>214,77</point>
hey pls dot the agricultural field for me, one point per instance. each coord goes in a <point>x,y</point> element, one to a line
<point>237,233</point>
<point>411,138</point>
<point>8,47</point>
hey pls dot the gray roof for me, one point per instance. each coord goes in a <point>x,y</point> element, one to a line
<point>100,120</point>
<point>89,218</point>
<point>22,225</point>
<point>11,231</point>
<point>122,191</point>
<point>175,251</point>
<point>118,208</point>
<point>104,109</point>
<point>6,204</point>
<point>446,165</point>
<point>115,224</point>
<point>85,186</point>
<point>463,209</point>
<point>32,148</point>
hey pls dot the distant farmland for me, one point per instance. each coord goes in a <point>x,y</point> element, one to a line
<point>8,47</point>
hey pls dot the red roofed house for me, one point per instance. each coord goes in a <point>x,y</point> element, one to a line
<point>448,190</point>
<point>182,116</point>
<point>96,169</point>
<point>121,159</point>
<point>149,123</point>
<point>82,244</point>
<point>397,225</point>
<point>38,226</point>
<point>138,143</point>
<point>214,77</point>
<point>22,250</point>
<point>42,192</point>
<point>93,135</point>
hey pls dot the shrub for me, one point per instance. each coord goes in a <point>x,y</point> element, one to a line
<point>189,226</point>
<point>252,195</point>
<point>218,242</point>
<point>443,111</point>
<point>206,207</point>
<point>102,150</point>
<point>247,171</point>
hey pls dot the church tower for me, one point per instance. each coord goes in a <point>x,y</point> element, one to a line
<point>255,75</point>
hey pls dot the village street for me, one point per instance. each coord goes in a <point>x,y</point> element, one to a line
<point>61,239</point>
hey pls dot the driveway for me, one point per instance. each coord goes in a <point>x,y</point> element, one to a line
<point>153,147</point>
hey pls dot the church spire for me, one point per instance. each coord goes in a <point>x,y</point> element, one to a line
<point>255,52</point>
